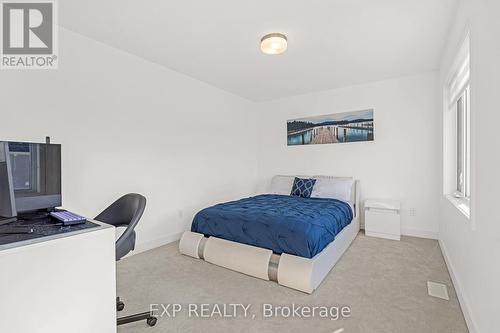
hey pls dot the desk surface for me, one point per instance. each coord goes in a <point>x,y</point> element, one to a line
<point>45,230</point>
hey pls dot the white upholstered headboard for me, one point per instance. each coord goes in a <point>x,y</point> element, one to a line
<point>282,184</point>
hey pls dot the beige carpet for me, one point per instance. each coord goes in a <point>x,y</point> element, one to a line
<point>382,281</point>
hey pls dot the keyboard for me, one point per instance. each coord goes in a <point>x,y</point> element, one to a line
<point>68,218</point>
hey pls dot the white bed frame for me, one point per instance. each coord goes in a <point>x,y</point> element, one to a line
<point>295,272</point>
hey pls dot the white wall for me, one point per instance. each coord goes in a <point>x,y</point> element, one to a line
<point>128,125</point>
<point>472,247</point>
<point>401,163</point>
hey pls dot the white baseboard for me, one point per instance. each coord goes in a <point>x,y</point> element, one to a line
<point>420,233</point>
<point>154,243</point>
<point>417,233</point>
<point>462,298</point>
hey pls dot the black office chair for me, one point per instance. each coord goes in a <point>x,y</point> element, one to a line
<point>126,212</point>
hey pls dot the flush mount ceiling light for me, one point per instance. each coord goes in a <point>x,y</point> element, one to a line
<point>274,43</point>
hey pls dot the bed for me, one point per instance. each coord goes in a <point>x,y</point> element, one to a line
<point>292,240</point>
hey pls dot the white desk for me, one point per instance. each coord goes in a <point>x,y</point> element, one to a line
<point>59,284</point>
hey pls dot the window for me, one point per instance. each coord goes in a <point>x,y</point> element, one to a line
<point>463,145</point>
<point>457,133</point>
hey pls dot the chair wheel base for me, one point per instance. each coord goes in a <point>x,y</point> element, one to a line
<point>120,306</point>
<point>151,321</point>
<point>147,316</point>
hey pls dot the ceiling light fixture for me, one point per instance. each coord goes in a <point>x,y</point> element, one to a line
<point>274,43</point>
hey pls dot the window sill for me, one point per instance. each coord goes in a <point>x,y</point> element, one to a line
<point>462,204</point>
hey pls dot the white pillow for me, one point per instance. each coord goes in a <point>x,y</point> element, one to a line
<point>333,188</point>
<point>282,185</point>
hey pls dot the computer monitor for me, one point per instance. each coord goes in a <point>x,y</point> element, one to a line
<point>30,177</point>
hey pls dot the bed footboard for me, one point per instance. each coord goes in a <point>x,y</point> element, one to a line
<point>295,272</point>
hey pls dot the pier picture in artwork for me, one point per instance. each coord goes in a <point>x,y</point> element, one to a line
<point>333,128</point>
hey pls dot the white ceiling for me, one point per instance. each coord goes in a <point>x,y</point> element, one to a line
<point>332,43</point>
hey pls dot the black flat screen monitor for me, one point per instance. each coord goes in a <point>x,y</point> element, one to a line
<point>30,175</point>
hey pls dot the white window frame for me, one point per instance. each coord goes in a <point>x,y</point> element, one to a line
<point>456,170</point>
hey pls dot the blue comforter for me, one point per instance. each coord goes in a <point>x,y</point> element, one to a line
<point>281,223</point>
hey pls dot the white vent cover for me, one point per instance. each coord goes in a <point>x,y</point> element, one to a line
<point>438,290</point>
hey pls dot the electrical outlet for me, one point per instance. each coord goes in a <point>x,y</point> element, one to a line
<point>413,212</point>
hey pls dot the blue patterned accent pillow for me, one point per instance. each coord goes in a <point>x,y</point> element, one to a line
<point>302,187</point>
